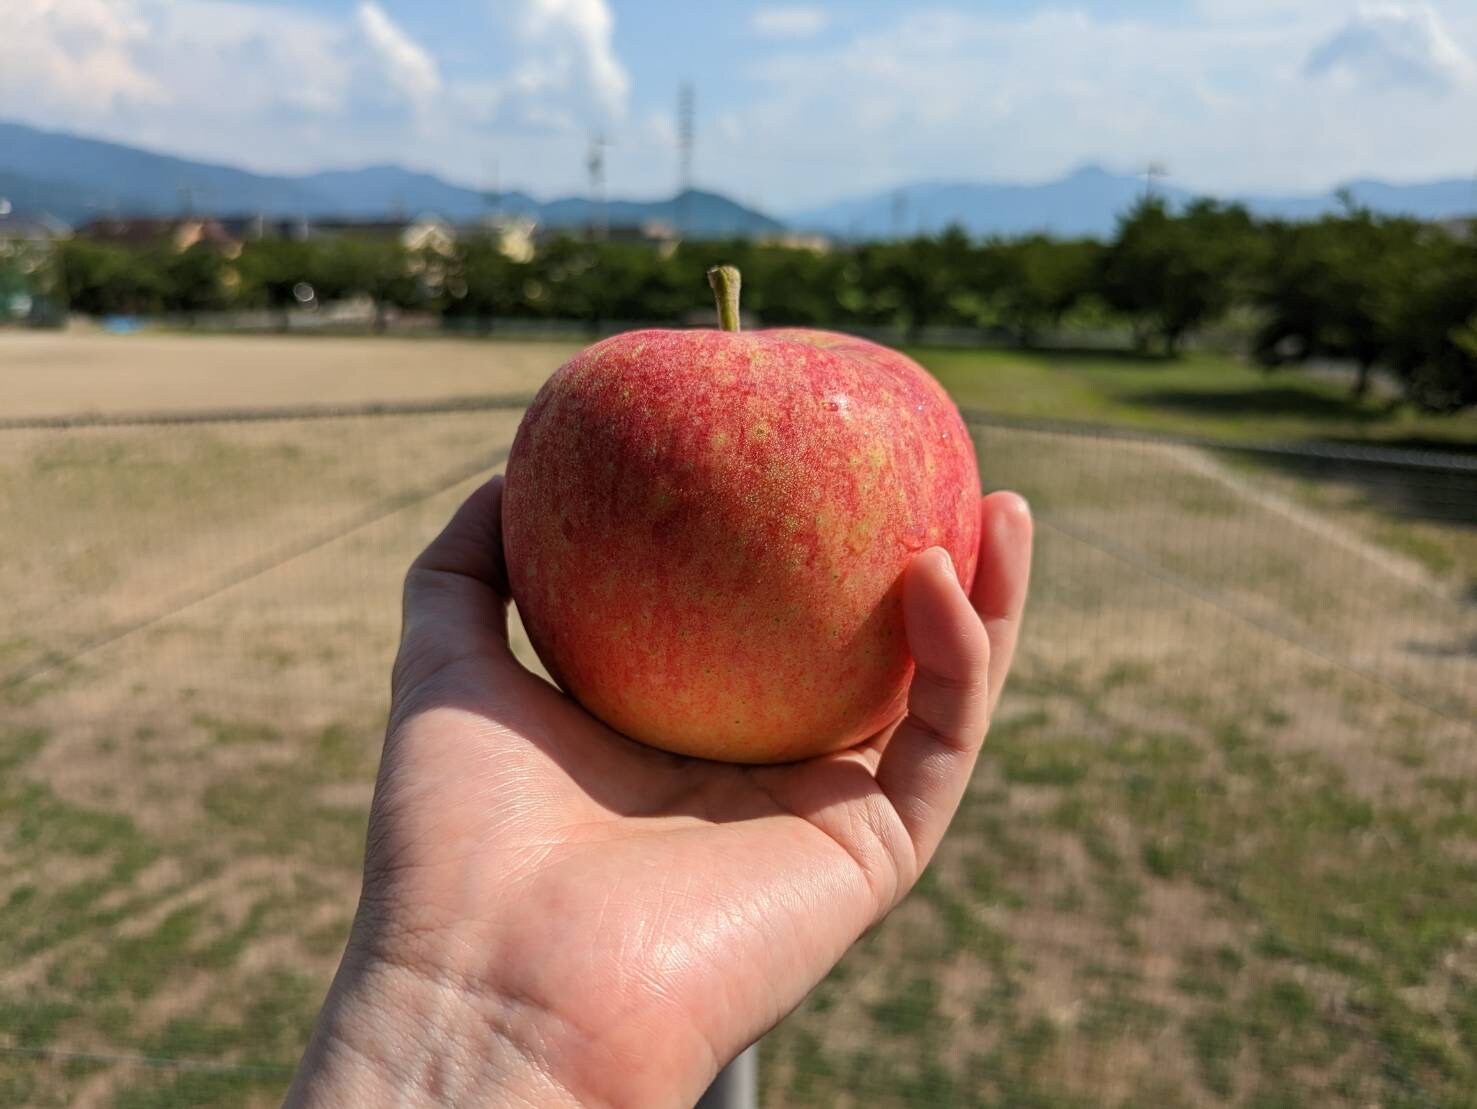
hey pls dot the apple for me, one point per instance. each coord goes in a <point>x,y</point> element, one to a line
<point>705,532</point>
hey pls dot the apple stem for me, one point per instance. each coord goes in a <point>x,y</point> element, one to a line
<point>725,282</point>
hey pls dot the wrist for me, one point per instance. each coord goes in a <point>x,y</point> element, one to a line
<point>389,1034</point>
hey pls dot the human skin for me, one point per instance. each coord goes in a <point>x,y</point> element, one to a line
<point>553,914</point>
<point>706,532</point>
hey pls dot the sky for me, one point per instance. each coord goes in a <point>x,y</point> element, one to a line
<point>796,104</point>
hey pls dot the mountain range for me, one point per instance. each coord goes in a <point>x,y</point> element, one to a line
<point>1089,201</point>
<point>75,178</point>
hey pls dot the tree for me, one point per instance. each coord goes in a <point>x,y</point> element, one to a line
<point>1037,280</point>
<point>1326,288</point>
<point>1171,274</point>
<point>1432,323</point>
<point>102,280</point>
<point>376,268</point>
<point>195,280</point>
<point>271,272</point>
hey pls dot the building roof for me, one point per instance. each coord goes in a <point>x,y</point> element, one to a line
<point>150,231</point>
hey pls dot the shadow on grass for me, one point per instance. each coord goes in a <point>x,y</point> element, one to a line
<point>1421,443</point>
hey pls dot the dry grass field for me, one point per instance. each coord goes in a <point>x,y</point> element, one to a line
<point>1221,850</point>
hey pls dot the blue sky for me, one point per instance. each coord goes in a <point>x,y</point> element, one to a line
<point>797,103</point>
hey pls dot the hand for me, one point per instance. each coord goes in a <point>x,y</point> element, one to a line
<point>554,914</point>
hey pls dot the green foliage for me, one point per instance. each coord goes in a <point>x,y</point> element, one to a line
<point>1171,274</point>
<point>1373,291</point>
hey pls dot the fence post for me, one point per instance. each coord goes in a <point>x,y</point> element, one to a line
<point>737,1085</point>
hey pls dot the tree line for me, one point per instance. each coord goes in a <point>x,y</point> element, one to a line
<point>1371,291</point>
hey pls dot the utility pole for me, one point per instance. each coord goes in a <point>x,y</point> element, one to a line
<point>595,164</point>
<point>899,212</point>
<point>686,139</point>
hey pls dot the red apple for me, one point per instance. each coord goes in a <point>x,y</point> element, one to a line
<point>705,533</point>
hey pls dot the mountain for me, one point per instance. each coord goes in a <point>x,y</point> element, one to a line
<point>1089,201</point>
<point>77,178</point>
<point>718,216</point>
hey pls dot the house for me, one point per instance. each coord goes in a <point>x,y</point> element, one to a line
<point>797,240</point>
<point>254,229</point>
<point>425,234</point>
<point>514,235</point>
<point>178,234</point>
<point>38,230</point>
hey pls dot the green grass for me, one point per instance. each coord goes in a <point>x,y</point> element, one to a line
<point>1329,894</point>
<point>1199,394</point>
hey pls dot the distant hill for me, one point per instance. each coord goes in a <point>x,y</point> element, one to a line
<point>1088,203</point>
<point>77,178</point>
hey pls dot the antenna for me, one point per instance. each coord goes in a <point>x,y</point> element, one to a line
<point>1154,171</point>
<point>595,163</point>
<point>686,139</point>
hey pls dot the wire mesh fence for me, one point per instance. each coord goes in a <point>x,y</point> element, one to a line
<point>1221,847</point>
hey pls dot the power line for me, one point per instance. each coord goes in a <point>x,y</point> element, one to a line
<point>372,409</point>
<point>1356,454</point>
<point>1130,557</point>
<point>255,568</point>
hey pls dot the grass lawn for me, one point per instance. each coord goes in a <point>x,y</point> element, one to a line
<point>1207,395</point>
<point>1201,863</point>
<point>1219,851</point>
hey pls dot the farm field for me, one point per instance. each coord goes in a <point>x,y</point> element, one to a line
<point>1216,853</point>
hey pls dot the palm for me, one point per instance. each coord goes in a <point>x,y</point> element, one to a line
<point>677,906</point>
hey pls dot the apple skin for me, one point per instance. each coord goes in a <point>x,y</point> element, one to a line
<point>705,533</point>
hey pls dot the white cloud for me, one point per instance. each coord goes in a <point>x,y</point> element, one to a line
<point>567,47</point>
<point>406,64</point>
<point>1393,45</point>
<point>1220,91</point>
<point>1220,96</point>
<point>66,58</point>
<point>288,89</point>
<point>789,22</point>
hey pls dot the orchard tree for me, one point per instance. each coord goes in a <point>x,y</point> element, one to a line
<point>1327,289</point>
<point>1432,324</point>
<point>379,269</point>
<point>195,280</point>
<point>1171,274</point>
<point>1037,280</point>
